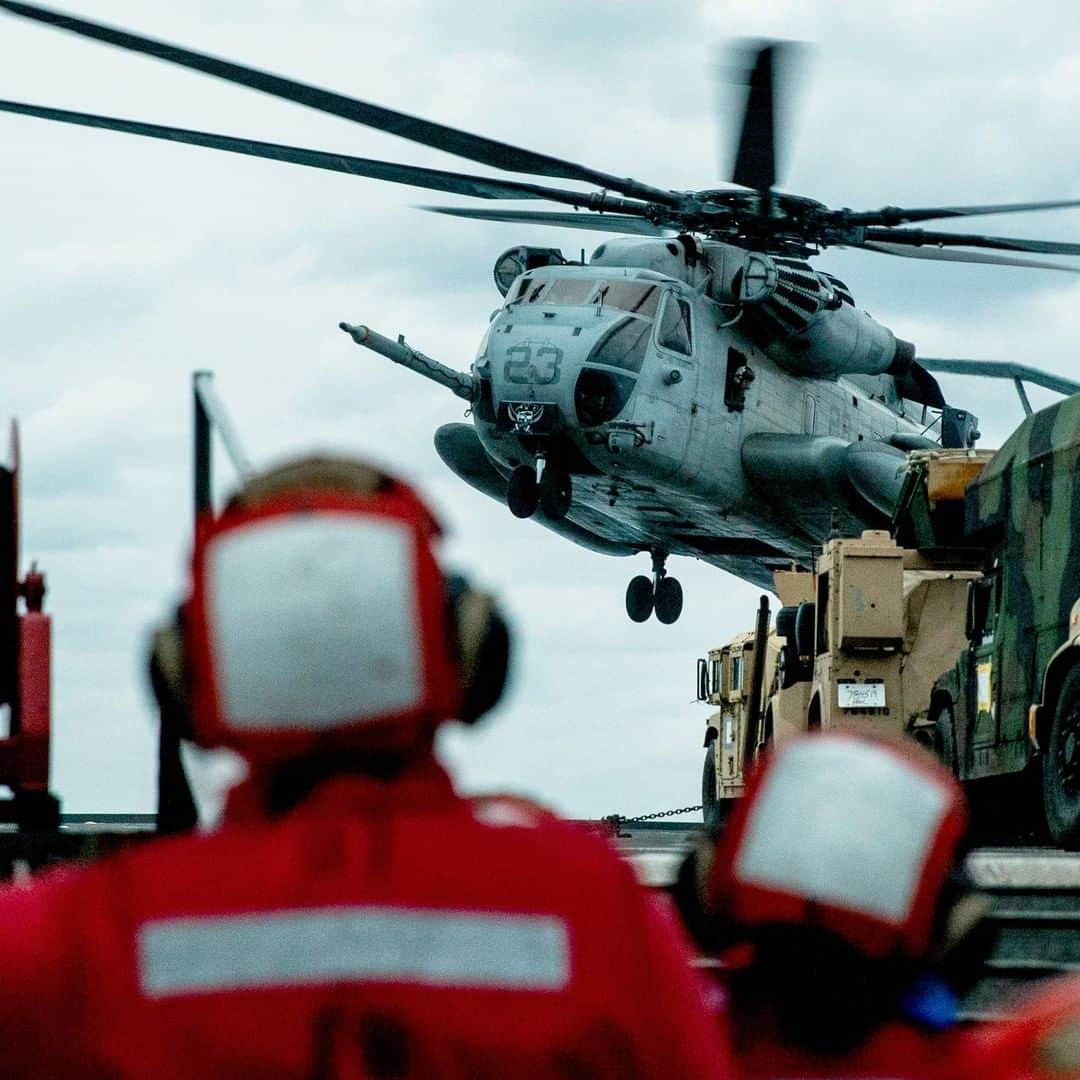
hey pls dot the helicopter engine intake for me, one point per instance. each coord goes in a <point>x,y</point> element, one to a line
<point>808,323</point>
<point>517,260</point>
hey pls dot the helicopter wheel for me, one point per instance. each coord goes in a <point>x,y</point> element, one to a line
<point>668,600</point>
<point>639,598</point>
<point>556,491</point>
<point>522,494</point>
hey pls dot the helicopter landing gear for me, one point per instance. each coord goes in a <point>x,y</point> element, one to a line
<point>522,494</point>
<point>639,598</point>
<point>552,492</point>
<point>661,594</point>
<point>668,600</point>
<point>556,491</point>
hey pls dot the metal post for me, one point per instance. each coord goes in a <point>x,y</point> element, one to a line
<point>176,810</point>
<point>757,682</point>
<point>203,460</point>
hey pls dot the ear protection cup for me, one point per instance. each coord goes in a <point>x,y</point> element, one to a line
<point>481,640</point>
<point>169,677</point>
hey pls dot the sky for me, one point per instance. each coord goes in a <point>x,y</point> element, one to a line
<point>130,263</point>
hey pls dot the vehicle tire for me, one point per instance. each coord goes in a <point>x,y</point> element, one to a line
<point>521,492</point>
<point>711,812</point>
<point>639,598</point>
<point>785,623</point>
<point>556,491</point>
<point>668,600</point>
<point>805,617</point>
<point>1061,766</point>
<point>788,660</point>
<point>36,810</point>
<point>945,734</point>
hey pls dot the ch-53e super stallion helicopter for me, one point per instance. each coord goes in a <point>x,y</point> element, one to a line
<point>694,388</point>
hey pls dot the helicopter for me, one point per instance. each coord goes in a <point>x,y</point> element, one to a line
<point>695,388</point>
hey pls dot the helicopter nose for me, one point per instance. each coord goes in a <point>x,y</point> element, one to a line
<point>526,365</point>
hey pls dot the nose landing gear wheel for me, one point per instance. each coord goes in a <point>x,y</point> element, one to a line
<point>521,494</point>
<point>668,600</point>
<point>639,598</point>
<point>556,491</point>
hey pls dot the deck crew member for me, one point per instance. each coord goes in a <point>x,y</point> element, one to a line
<point>353,916</point>
<point>837,902</point>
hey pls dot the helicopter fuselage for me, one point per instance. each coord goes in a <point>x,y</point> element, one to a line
<point>646,392</point>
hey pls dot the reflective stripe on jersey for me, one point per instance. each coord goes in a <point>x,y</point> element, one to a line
<point>208,954</point>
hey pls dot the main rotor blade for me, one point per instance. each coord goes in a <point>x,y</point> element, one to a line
<point>1000,369</point>
<point>426,132</point>
<point>613,223</point>
<point>920,237</point>
<point>480,187</point>
<point>947,255</point>
<point>755,155</point>
<point>899,215</point>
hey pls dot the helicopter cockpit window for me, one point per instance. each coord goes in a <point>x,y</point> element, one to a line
<point>573,292</point>
<point>624,346</point>
<point>534,293</point>
<point>520,290</point>
<point>632,296</point>
<point>675,326</point>
<point>599,396</point>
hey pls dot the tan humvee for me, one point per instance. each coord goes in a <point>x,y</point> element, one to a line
<point>887,621</point>
<point>729,669</point>
<point>862,639</point>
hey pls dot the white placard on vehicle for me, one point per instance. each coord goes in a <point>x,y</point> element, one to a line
<point>860,695</point>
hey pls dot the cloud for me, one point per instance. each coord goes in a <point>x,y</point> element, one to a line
<point>129,263</point>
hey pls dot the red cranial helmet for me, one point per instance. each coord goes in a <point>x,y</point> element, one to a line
<point>846,834</point>
<point>319,619</point>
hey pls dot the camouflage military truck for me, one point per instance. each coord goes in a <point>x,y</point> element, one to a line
<point>1011,704</point>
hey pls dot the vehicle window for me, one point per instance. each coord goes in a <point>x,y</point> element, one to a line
<point>736,672</point>
<point>522,288</point>
<point>570,291</point>
<point>624,346</point>
<point>738,378</point>
<point>675,326</point>
<point>715,677</point>
<point>535,293</point>
<point>632,296</point>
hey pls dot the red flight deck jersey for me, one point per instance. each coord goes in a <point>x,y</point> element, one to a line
<point>375,930</point>
<point>1039,1041</point>
<point>895,1052</point>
